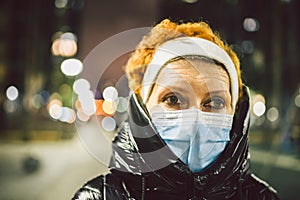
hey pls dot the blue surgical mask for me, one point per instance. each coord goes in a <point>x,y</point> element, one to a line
<point>197,138</point>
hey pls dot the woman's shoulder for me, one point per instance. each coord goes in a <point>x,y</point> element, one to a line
<point>108,186</point>
<point>92,190</point>
<point>259,189</point>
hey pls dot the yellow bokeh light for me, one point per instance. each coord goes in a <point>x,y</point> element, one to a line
<point>67,47</point>
<point>109,107</point>
<point>55,111</point>
<point>64,47</point>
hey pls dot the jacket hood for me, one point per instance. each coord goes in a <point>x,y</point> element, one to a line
<point>138,150</point>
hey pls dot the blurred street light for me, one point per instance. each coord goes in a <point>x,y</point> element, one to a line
<point>12,93</point>
<point>248,46</point>
<point>272,114</point>
<point>68,115</point>
<point>109,107</point>
<point>87,102</point>
<point>81,85</point>
<point>61,3</point>
<point>55,111</point>
<point>108,124</point>
<point>10,106</point>
<point>259,108</point>
<point>71,67</point>
<point>110,93</point>
<point>258,105</point>
<point>122,104</point>
<point>82,116</point>
<point>251,24</point>
<point>64,44</point>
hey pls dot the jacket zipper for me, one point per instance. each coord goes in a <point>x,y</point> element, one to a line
<point>143,188</point>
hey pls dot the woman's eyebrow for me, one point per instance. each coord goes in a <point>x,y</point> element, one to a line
<point>214,92</point>
<point>179,88</point>
<point>185,88</point>
<point>218,91</point>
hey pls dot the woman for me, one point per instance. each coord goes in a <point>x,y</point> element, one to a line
<point>186,136</point>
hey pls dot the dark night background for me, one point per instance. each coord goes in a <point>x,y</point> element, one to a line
<point>42,157</point>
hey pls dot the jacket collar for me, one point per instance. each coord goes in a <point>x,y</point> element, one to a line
<point>138,150</point>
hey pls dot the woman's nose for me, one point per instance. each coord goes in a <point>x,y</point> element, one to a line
<point>195,103</point>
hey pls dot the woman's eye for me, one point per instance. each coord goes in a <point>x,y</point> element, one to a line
<point>174,101</point>
<point>215,103</point>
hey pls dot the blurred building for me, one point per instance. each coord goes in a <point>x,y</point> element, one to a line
<point>29,67</point>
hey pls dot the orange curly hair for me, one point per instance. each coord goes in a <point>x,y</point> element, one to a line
<point>162,32</point>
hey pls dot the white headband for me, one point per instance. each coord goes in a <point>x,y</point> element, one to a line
<point>184,46</point>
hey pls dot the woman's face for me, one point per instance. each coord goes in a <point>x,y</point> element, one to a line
<point>195,83</point>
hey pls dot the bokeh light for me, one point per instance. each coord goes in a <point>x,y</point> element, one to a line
<point>54,101</point>
<point>110,93</point>
<point>69,36</point>
<point>87,102</point>
<point>45,96</point>
<point>258,97</point>
<point>260,120</point>
<point>297,100</point>
<point>259,59</point>
<point>81,85</point>
<point>77,104</point>
<point>12,93</point>
<point>55,49</point>
<point>99,109</point>
<point>272,114</point>
<point>259,105</point>
<point>85,97</point>
<point>109,107</point>
<point>190,1</point>
<point>55,98</point>
<point>82,116</point>
<point>71,67</point>
<point>67,47</point>
<point>259,108</point>
<point>247,46</point>
<point>55,106</point>
<point>67,115</point>
<point>108,124</point>
<point>37,101</point>
<point>55,111</point>
<point>251,24</point>
<point>10,106</point>
<point>61,3</point>
<point>122,104</point>
<point>90,108</point>
<point>64,44</point>
<point>286,1</point>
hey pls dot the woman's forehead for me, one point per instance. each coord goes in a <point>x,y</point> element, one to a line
<point>192,71</point>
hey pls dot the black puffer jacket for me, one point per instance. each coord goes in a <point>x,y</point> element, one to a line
<point>142,167</point>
